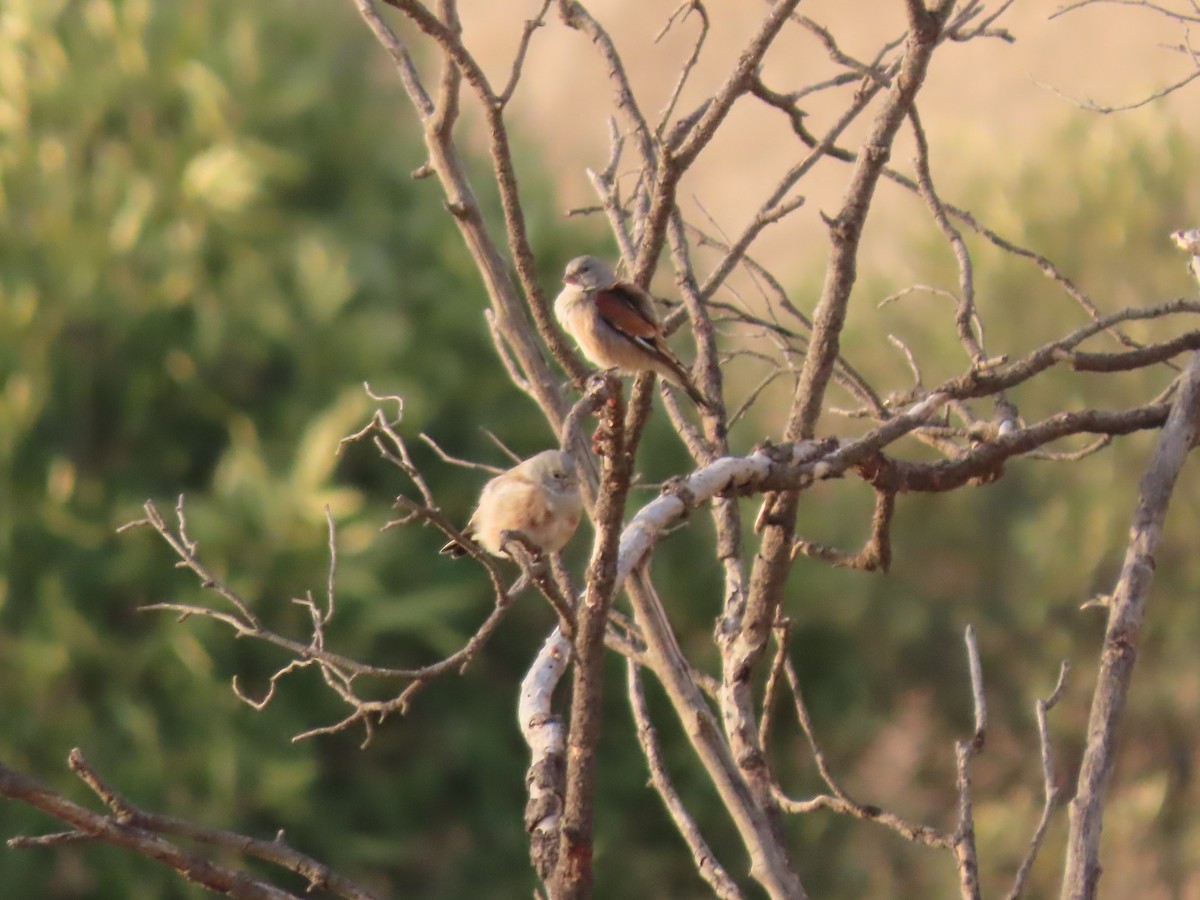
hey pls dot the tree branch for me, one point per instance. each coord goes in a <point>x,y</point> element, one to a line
<point>138,831</point>
<point>1127,611</point>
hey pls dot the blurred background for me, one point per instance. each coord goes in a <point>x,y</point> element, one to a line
<point>209,240</point>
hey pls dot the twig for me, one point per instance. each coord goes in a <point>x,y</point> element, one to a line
<point>457,461</point>
<point>876,554</point>
<point>1049,783</point>
<point>707,865</point>
<point>685,8</point>
<point>139,831</point>
<point>531,25</point>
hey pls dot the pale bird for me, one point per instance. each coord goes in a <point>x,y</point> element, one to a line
<point>615,325</point>
<point>538,497</point>
<point>1189,242</point>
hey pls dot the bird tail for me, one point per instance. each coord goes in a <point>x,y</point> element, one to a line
<point>698,398</point>
<point>454,550</point>
<point>681,378</point>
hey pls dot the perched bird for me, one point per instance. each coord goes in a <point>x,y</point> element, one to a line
<point>1189,242</point>
<point>539,498</point>
<point>615,325</point>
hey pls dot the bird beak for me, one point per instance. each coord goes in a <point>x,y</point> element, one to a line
<point>571,279</point>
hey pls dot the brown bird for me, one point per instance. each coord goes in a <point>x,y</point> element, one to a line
<point>615,325</point>
<point>539,498</point>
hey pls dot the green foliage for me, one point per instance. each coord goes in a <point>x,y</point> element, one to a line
<point>208,242</point>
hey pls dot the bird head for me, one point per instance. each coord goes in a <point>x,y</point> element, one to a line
<point>589,273</point>
<point>554,470</point>
<point>1187,240</point>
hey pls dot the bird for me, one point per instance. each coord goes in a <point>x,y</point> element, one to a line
<point>1189,242</point>
<point>615,325</point>
<point>538,498</point>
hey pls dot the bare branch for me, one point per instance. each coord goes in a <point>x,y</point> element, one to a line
<point>966,316</point>
<point>666,178</point>
<point>531,25</point>
<point>964,833</point>
<point>686,8</point>
<point>769,862</point>
<point>1092,106</point>
<point>1049,784</point>
<point>132,829</point>
<point>1127,611</point>
<point>456,461</point>
<point>840,801</point>
<point>707,865</point>
<point>573,874</point>
<point>1143,4</point>
<point>875,555</point>
<point>546,736</point>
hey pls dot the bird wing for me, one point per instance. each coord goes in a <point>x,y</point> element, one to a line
<point>503,491</point>
<point>515,503</point>
<point>511,487</point>
<point>628,310</point>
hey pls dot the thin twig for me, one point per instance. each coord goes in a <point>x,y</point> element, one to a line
<point>1049,783</point>
<point>707,865</point>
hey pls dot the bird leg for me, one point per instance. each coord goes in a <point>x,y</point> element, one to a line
<point>535,569</point>
<point>524,552</point>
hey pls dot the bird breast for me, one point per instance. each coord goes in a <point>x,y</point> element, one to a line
<point>603,345</point>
